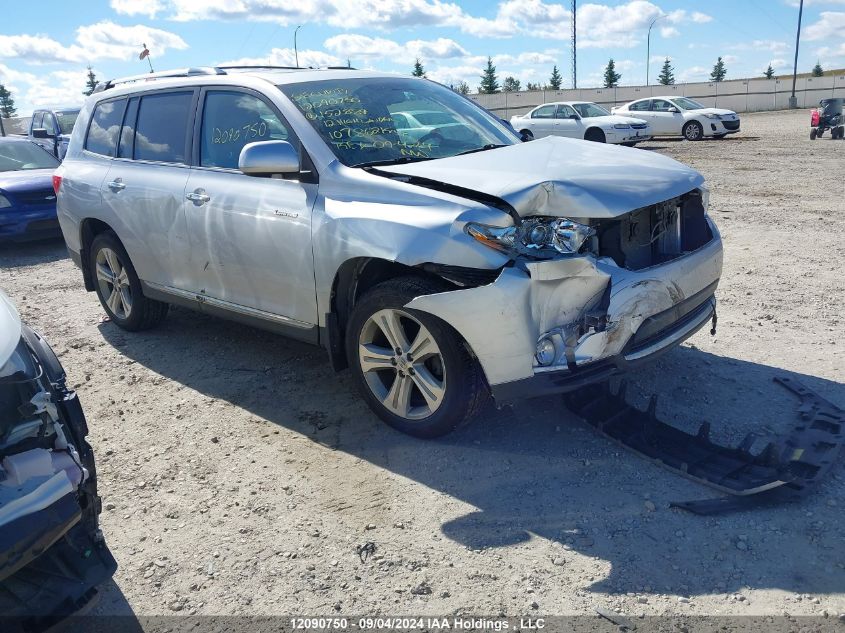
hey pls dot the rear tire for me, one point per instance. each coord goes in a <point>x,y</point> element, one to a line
<point>595,135</point>
<point>813,134</point>
<point>118,287</point>
<point>693,131</point>
<point>433,385</point>
<point>819,133</point>
<point>527,134</point>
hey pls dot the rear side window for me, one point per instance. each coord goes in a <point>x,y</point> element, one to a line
<point>105,127</point>
<point>640,106</point>
<point>546,112</point>
<point>161,132</point>
<point>230,120</point>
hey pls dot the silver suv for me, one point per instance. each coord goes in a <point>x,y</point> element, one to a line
<point>440,264</point>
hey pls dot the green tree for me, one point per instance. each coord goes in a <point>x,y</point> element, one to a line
<point>719,71</point>
<point>611,77</point>
<point>462,88</point>
<point>667,74</point>
<point>418,71</point>
<point>555,80</point>
<point>7,104</point>
<point>817,70</point>
<point>770,72</point>
<point>530,86</point>
<point>489,82</point>
<point>90,83</point>
<point>511,85</point>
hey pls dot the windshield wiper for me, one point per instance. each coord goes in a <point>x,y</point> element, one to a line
<point>483,148</point>
<point>392,161</point>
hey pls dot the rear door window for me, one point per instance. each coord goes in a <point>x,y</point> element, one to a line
<point>546,112</point>
<point>105,127</point>
<point>640,106</point>
<point>230,120</point>
<point>127,133</point>
<point>161,132</point>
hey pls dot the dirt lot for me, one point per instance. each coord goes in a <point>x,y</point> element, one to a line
<point>239,474</point>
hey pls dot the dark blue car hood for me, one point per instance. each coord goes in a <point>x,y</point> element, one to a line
<point>26,180</point>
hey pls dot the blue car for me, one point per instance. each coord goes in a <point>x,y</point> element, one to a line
<point>27,199</point>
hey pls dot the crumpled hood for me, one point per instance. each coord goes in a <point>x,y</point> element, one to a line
<point>26,180</point>
<point>563,177</point>
<point>10,328</point>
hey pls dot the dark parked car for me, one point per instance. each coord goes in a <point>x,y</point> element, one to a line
<point>830,115</point>
<point>52,553</point>
<point>51,129</point>
<point>27,199</point>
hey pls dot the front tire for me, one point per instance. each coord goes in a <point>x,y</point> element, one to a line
<point>528,135</point>
<point>693,131</point>
<point>118,287</point>
<point>412,369</point>
<point>595,135</point>
<point>813,134</point>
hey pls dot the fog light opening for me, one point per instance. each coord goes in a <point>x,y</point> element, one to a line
<point>545,353</point>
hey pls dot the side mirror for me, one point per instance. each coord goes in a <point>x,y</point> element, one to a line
<point>265,158</point>
<point>574,117</point>
<point>674,110</point>
<point>39,132</point>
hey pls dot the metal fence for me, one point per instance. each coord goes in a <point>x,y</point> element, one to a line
<point>743,95</point>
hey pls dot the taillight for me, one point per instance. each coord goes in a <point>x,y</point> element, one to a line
<point>57,183</point>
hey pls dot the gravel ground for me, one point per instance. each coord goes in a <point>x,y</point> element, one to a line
<point>239,474</point>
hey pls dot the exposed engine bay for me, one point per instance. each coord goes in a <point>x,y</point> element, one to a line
<point>52,553</point>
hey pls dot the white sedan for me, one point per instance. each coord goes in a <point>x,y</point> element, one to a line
<point>680,116</point>
<point>581,119</point>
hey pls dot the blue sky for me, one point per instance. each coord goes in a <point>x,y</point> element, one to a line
<point>44,61</point>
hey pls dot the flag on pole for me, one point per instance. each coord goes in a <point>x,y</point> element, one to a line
<point>144,53</point>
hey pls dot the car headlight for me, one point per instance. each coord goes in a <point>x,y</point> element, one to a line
<point>622,126</point>
<point>4,202</point>
<point>713,116</point>
<point>705,196</point>
<point>537,237</point>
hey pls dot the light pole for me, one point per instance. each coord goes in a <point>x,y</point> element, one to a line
<point>295,49</point>
<point>793,100</point>
<point>648,46</point>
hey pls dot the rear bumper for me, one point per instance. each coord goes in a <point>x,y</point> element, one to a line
<point>18,224</point>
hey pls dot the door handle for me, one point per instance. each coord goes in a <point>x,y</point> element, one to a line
<point>117,184</point>
<point>198,197</point>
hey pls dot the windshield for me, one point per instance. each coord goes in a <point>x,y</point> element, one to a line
<point>66,120</point>
<point>687,104</point>
<point>20,155</point>
<point>588,110</point>
<point>357,118</point>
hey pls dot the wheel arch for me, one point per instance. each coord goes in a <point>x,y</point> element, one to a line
<point>90,228</point>
<point>594,129</point>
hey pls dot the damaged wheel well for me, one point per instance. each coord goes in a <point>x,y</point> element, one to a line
<point>89,229</point>
<point>356,276</point>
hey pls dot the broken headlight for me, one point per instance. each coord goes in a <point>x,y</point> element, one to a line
<point>537,237</point>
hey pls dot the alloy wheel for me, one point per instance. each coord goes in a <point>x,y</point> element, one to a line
<point>113,281</point>
<point>402,364</point>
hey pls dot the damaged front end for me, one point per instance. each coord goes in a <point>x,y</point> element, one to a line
<point>586,299</point>
<point>52,554</point>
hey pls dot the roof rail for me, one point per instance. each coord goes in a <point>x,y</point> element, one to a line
<point>266,66</point>
<point>179,72</point>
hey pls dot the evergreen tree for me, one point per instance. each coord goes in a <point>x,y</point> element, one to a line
<point>7,104</point>
<point>90,83</point>
<point>770,72</point>
<point>667,74</point>
<point>511,84</point>
<point>611,77</point>
<point>489,82</point>
<point>817,70</point>
<point>462,88</point>
<point>530,86</point>
<point>555,80</point>
<point>719,71</point>
<point>418,71</point>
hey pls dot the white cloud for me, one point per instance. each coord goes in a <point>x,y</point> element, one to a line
<point>137,7</point>
<point>693,73</point>
<point>357,46</point>
<point>103,40</point>
<point>830,25</point>
<point>831,51</point>
<point>701,18</point>
<point>669,31</point>
<point>61,87</point>
<point>287,57</point>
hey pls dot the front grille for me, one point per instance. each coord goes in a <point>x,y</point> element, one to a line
<point>40,197</point>
<point>731,125</point>
<point>661,325</point>
<point>639,126</point>
<point>655,234</point>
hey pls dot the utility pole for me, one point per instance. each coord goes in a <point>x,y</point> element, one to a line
<point>574,48</point>
<point>295,49</point>
<point>793,100</point>
<point>648,46</point>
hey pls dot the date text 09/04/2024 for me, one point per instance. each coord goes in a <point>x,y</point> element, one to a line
<point>417,623</point>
